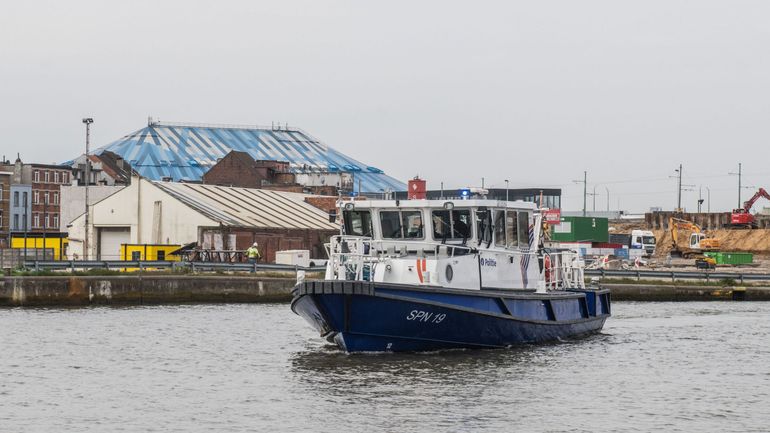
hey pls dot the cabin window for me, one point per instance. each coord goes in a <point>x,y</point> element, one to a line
<point>401,224</point>
<point>358,223</point>
<point>413,225</point>
<point>454,224</point>
<point>511,229</point>
<point>500,229</point>
<point>484,226</point>
<point>390,222</point>
<point>524,229</point>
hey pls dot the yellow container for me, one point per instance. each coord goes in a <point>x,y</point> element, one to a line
<point>149,252</point>
<point>57,244</point>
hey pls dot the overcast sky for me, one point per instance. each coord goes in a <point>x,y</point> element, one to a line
<point>535,92</point>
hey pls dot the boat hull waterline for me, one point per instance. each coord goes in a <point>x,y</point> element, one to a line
<point>371,317</point>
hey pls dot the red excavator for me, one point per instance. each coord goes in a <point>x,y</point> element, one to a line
<point>742,217</point>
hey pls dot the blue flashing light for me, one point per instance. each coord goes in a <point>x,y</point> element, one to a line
<point>465,193</point>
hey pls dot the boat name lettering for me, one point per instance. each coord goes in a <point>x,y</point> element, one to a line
<point>488,262</point>
<point>424,316</point>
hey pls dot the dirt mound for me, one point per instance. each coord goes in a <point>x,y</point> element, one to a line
<point>625,226</point>
<point>750,241</point>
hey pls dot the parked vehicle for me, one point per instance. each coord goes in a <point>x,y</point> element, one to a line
<point>638,239</point>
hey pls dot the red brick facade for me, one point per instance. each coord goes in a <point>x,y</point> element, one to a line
<point>241,170</point>
<point>272,240</point>
<point>46,197</point>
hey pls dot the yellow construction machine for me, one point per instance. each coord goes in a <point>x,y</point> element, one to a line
<point>698,242</point>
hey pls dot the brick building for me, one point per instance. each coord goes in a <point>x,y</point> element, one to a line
<point>46,196</point>
<point>107,168</point>
<point>5,207</point>
<point>239,169</point>
<point>38,187</point>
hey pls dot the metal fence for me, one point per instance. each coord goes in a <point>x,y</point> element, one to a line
<point>678,275</point>
<point>74,265</point>
<point>142,265</point>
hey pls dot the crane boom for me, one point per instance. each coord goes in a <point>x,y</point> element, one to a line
<point>750,202</point>
<point>742,217</point>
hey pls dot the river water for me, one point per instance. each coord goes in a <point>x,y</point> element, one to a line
<point>656,366</point>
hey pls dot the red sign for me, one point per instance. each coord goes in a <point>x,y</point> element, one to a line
<point>552,216</point>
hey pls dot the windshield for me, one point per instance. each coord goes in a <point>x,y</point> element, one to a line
<point>358,223</point>
<point>648,240</point>
<point>455,224</point>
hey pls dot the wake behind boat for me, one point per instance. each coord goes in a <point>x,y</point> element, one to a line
<point>418,275</point>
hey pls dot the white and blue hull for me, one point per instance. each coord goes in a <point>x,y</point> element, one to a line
<point>363,316</point>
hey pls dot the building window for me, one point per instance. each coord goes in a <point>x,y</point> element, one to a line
<point>47,221</point>
<point>65,178</point>
<point>56,176</point>
<point>56,198</point>
<point>55,224</point>
<point>45,198</point>
<point>16,222</point>
<point>35,220</point>
<point>36,197</point>
<point>24,199</point>
<point>37,176</point>
<point>16,199</point>
<point>47,176</point>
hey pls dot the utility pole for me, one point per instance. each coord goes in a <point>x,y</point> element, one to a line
<point>700,198</point>
<point>679,196</point>
<point>678,188</point>
<point>88,121</point>
<point>585,189</point>
<point>608,198</point>
<point>708,202</point>
<point>739,174</point>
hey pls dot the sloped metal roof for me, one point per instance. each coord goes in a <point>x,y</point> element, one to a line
<point>247,207</point>
<point>186,151</point>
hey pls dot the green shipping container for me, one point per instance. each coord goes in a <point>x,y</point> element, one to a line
<point>579,229</point>
<point>723,258</point>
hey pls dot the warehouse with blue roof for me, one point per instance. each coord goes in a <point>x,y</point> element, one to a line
<point>184,152</point>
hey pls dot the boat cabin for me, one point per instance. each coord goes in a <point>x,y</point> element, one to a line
<point>487,224</point>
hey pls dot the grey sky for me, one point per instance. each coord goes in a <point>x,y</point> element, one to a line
<point>535,92</point>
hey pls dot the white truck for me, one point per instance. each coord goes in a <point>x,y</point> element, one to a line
<point>638,240</point>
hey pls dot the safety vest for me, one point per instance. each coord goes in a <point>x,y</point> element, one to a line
<point>253,252</point>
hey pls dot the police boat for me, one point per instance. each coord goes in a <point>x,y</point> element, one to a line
<point>423,275</point>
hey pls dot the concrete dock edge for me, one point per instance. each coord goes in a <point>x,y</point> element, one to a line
<point>145,290</point>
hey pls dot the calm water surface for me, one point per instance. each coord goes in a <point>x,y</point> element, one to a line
<point>656,366</point>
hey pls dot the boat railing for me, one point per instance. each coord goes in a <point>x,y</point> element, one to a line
<point>562,270</point>
<point>351,257</point>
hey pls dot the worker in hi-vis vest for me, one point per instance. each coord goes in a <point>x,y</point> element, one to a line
<point>253,253</point>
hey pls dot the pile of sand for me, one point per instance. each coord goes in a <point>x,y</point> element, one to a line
<point>750,241</point>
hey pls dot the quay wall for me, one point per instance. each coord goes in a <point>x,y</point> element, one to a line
<point>675,293</point>
<point>134,290</point>
<point>169,289</point>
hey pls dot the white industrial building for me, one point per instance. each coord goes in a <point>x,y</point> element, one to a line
<point>217,217</point>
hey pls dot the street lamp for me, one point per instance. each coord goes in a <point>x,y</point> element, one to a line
<point>506,190</point>
<point>88,121</point>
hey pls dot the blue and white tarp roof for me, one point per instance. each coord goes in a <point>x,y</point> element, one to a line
<point>186,151</point>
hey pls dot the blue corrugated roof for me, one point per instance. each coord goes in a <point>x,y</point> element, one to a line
<point>186,151</point>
